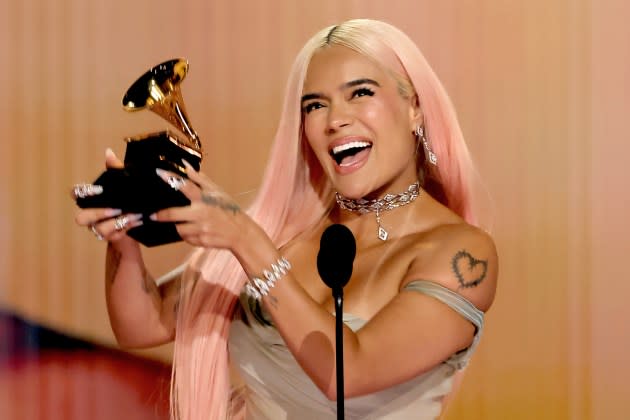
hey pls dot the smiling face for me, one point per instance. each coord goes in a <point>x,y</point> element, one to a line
<point>358,124</point>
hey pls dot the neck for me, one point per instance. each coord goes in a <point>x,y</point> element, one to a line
<point>387,202</point>
<point>380,205</point>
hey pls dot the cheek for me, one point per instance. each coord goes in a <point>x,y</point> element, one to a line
<point>312,159</point>
<point>399,119</point>
<point>308,122</point>
<point>313,129</point>
<point>385,110</point>
<point>373,113</point>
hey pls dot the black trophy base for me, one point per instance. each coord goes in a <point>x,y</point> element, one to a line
<point>137,188</point>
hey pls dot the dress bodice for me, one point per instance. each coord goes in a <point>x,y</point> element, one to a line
<point>277,388</point>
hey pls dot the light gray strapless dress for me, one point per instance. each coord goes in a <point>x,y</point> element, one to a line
<point>276,387</point>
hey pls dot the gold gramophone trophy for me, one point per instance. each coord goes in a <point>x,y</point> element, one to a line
<point>136,188</point>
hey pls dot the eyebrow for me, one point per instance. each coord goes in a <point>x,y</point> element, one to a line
<point>346,85</point>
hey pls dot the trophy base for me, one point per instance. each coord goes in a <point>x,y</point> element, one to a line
<point>137,188</point>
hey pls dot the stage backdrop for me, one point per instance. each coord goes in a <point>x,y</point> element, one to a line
<point>541,91</point>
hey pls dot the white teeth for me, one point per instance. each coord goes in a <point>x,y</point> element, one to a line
<point>351,145</point>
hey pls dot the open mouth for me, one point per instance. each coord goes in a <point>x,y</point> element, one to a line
<point>346,154</point>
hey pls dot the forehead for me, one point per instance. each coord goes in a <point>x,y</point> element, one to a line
<point>332,66</point>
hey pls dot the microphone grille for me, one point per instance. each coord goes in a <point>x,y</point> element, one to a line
<point>337,251</point>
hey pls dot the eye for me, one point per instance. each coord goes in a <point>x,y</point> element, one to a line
<point>311,106</point>
<point>362,92</point>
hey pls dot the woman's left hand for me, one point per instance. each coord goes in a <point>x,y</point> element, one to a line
<point>212,220</point>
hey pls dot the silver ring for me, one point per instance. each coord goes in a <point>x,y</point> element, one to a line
<point>175,182</point>
<point>120,223</point>
<point>96,233</point>
<point>86,190</point>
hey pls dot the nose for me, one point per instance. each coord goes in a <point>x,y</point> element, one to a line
<point>339,116</point>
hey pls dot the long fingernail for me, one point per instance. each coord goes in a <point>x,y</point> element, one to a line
<point>134,217</point>
<point>187,165</point>
<point>161,173</point>
<point>174,181</point>
<point>153,217</point>
<point>136,224</point>
<point>112,212</point>
<point>86,190</point>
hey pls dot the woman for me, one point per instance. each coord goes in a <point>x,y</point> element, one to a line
<point>368,139</point>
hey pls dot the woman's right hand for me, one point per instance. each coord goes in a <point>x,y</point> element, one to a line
<point>150,320</point>
<point>105,223</point>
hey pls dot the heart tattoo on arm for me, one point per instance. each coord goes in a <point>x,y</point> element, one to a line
<point>469,271</point>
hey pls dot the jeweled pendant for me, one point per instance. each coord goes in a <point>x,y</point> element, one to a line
<point>432,158</point>
<point>382,233</point>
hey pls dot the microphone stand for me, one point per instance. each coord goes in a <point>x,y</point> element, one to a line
<point>335,258</point>
<point>338,296</point>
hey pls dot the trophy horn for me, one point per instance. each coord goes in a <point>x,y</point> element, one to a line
<point>159,90</point>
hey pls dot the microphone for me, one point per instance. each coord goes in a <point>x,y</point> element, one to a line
<point>337,249</point>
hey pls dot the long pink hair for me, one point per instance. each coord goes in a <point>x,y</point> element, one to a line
<point>294,195</point>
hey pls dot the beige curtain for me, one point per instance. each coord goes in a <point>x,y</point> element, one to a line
<point>541,91</point>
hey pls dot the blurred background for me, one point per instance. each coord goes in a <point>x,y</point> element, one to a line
<point>541,89</point>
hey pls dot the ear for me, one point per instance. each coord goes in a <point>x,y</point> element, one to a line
<point>416,118</point>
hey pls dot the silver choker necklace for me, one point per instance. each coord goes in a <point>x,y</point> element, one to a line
<point>390,201</point>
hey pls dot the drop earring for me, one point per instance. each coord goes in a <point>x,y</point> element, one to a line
<point>431,157</point>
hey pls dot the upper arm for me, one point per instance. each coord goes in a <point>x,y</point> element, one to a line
<point>464,260</point>
<point>415,332</point>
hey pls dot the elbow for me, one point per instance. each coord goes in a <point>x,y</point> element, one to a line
<point>328,387</point>
<point>331,393</point>
<point>134,336</point>
<point>348,391</point>
<point>127,346</point>
<point>356,382</point>
<point>137,344</point>
<point>353,381</point>
<point>128,342</point>
<point>124,339</point>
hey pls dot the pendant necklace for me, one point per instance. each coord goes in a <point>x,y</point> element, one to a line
<point>388,202</point>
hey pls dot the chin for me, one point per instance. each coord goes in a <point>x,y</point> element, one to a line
<point>353,190</point>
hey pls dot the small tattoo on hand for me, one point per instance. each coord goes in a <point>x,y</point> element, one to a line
<point>469,271</point>
<point>220,203</point>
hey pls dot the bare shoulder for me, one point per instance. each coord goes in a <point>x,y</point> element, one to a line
<point>462,258</point>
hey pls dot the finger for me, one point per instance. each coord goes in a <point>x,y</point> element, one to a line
<point>190,239</point>
<point>111,160</point>
<point>85,190</point>
<point>96,232</point>
<point>176,214</point>
<point>199,177</point>
<point>114,229</point>
<point>93,216</point>
<point>188,230</point>
<point>179,183</point>
<point>125,222</point>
